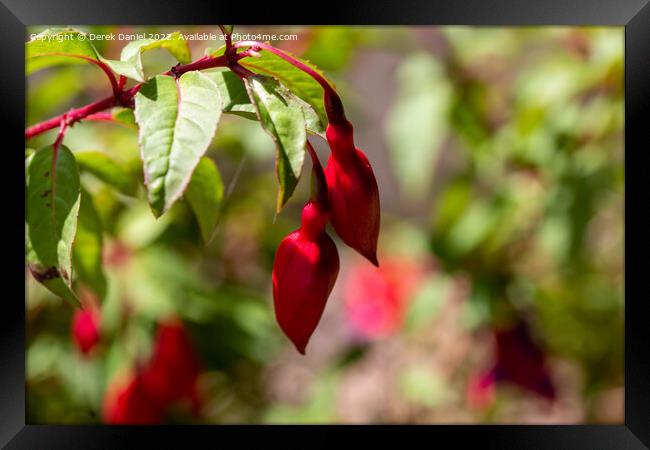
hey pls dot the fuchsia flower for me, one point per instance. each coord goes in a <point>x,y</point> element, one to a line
<point>519,361</point>
<point>353,191</point>
<point>376,299</point>
<point>305,267</point>
<point>85,329</point>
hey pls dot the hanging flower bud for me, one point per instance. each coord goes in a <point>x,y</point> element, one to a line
<point>85,329</point>
<point>305,267</point>
<point>352,187</point>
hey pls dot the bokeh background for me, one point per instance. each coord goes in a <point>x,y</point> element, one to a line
<point>499,158</point>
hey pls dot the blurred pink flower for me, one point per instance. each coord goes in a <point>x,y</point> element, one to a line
<point>376,298</point>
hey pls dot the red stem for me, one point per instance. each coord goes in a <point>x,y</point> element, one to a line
<point>100,116</point>
<point>206,62</point>
<point>59,138</point>
<point>72,116</point>
<point>109,73</point>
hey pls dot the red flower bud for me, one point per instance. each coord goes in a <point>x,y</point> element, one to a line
<point>353,192</point>
<point>85,329</point>
<point>305,267</point>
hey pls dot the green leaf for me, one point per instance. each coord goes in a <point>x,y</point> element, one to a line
<point>87,248</point>
<point>53,194</point>
<point>282,118</point>
<point>297,81</point>
<point>57,46</point>
<point>204,194</point>
<point>177,119</point>
<point>108,170</point>
<point>233,93</point>
<point>130,63</point>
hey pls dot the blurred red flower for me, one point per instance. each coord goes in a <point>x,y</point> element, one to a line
<point>376,298</point>
<point>126,402</point>
<point>174,366</point>
<point>170,375</point>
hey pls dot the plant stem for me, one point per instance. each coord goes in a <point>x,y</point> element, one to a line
<point>109,73</point>
<point>59,137</point>
<point>72,116</point>
<point>111,76</point>
<point>206,62</point>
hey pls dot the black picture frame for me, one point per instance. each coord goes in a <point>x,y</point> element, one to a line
<point>634,15</point>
